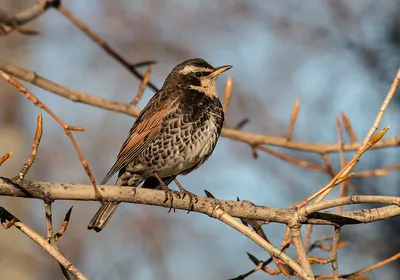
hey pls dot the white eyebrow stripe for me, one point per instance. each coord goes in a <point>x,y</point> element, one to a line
<point>191,69</point>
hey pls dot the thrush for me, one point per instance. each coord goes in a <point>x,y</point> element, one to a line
<point>173,135</point>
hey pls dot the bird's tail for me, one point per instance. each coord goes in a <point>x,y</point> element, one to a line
<point>102,216</point>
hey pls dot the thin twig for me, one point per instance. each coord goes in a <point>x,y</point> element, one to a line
<point>49,222</point>
<point>257,227</point>
<point>348,127</point>
<point>307,242</point>
<point>221,215</point>
<point>67,128</point>
<point>233,134</point>
<point>241,124</point>
<point>107,48</point>
<point>142,87</point>
<point>382,109</point>
<point>64,225</point>
<point>50,234</point>
<point>383,171</point>
<point>9,23</point>
<point>7,217</point>
<point>5,157</point>
<point>297,241</point>
<point>375,266</point>
<point>292,160</point>
<point>35,147</point>
<point>354,199</point>
<point>293,118</point>
<point>343,187</point>
<point>333,255</point>
<point>341,175</point>
<point>362,271</point>
<point>228,94</point>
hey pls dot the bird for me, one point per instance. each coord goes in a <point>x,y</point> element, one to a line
<point>174,134</point>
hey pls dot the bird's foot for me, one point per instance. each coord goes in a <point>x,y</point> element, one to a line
<point>167,191</point>
<point>182,194</point>
<point>169,196</point>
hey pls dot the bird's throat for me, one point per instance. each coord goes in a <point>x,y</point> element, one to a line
<point>209,90</point>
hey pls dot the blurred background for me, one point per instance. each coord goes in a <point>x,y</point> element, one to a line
<point>333,55</point>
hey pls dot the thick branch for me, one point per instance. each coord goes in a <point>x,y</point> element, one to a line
<point>239,209</point>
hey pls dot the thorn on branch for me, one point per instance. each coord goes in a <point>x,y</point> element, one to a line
<point>64,225</point>
<point>254,151</point>
<point>208,194</point>
<point>147,63</point>
<point>242,123</point>
<point>253,259</point>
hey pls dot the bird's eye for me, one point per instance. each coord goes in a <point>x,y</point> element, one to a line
<point>198,74</point>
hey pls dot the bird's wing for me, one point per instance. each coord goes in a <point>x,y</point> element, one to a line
<point>143,131</point>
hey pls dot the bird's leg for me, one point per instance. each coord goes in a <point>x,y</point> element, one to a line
<point>168,192</point>
<point>184,192</point>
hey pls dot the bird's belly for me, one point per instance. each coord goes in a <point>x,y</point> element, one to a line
<point>186,150</point>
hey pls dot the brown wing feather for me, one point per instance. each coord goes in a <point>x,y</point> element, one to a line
<point>140,135</point>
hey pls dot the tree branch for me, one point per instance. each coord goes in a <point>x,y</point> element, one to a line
<point>8,220</point>
<point>234,134</point>
<point>221,215</point>
<point>25,16</point>
<point>240,209</point>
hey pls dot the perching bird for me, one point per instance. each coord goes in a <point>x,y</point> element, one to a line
<point>174,134</point>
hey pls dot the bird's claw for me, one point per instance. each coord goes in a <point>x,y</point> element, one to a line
<point>192,198</point>
<point>169,196</point>
<point>182,194</point>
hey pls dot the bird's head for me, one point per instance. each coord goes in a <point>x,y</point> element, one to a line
<point>197,74</point>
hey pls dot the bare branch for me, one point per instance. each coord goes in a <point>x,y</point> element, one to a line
<point>382,110</point>
<point>295,235</point>
<point>25,16</point>
<point>50,234</point>
<point>9,22</point>
<point>348,127</point>
<point>35,147</point>
<point>293,118</point>
<point>142,87</point>
<point>64,225</point>
<point>228,94</point>
<point>239,209</point>
<point>107,48</point>
<point>234,134</point>
<point>221,215</point>
<point>354,199</point>
<point>67,128</point>
<point>7,217</point>
<point>333,255</point>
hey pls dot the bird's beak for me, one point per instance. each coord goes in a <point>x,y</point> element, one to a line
<point>220,70</point>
